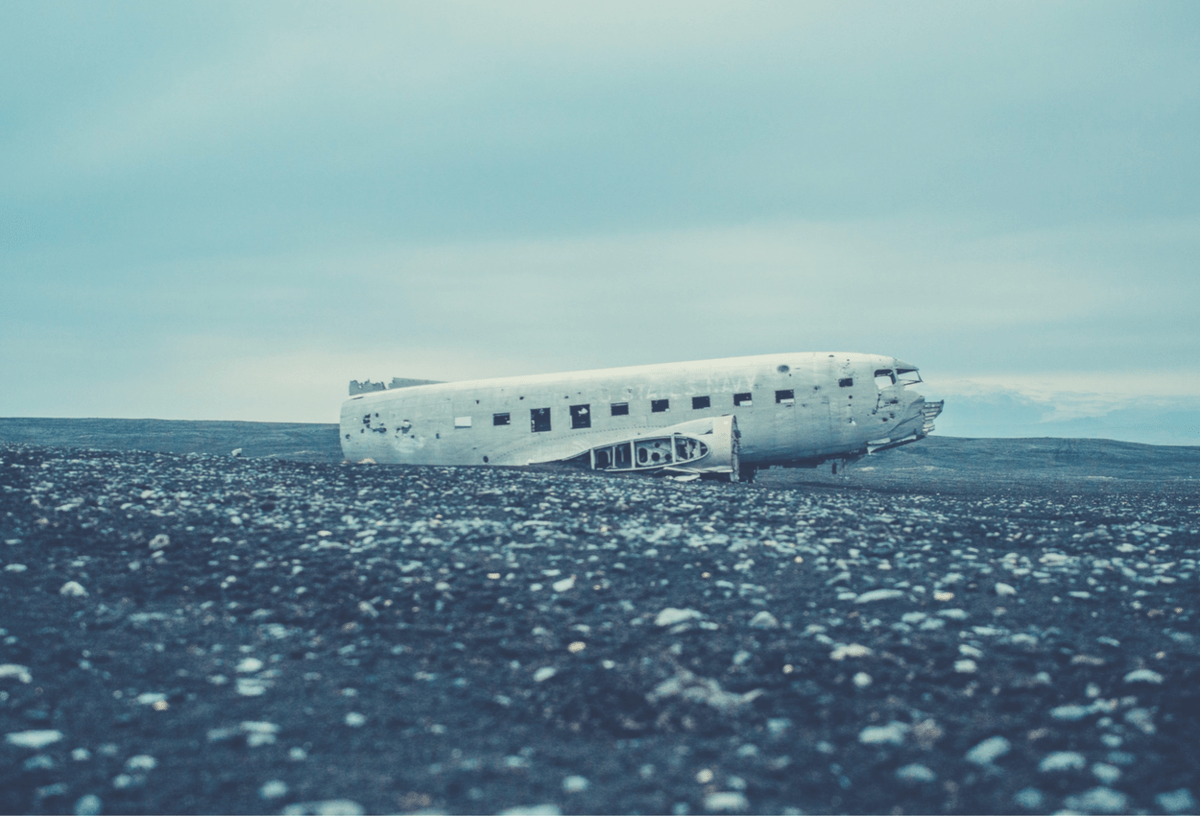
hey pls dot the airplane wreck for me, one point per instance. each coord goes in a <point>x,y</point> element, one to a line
<point>724,418</point>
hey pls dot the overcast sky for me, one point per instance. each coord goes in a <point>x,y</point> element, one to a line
<point>228,210</point>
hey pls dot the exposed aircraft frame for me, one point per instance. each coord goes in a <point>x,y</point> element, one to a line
<point>740,414</point>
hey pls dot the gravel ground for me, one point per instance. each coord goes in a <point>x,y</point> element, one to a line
<point>192,633</point>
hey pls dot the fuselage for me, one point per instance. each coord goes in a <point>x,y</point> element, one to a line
<point>791,409</point>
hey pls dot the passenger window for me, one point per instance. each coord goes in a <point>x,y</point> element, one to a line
<point>786,397</point>
<point>659,406</point>
<point>539,419</point>
<point>581,416</point>
<point>620,409</point>
<point>846,382</point>
<point>743,400</point>
<point>700,402</point>
<point>499,419</point>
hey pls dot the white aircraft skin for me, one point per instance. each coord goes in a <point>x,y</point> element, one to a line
<point>803,409</point>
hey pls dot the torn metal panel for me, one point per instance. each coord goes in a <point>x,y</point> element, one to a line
<point>368,387</point>
<point>707,446</point>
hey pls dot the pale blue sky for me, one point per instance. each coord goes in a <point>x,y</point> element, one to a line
<point>227,210</point>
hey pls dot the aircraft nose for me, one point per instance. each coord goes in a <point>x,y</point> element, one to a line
<point>912,420</point>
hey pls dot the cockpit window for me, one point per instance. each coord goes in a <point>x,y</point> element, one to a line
<point>907,376</point>
<point>884,378</point>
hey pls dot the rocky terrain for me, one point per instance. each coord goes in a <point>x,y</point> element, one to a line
<point>296,441</point>
<point>199,633</point>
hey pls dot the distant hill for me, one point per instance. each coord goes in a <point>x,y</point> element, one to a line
<point>308,442</point>
<point>934,463</point>
<point>946,462</point>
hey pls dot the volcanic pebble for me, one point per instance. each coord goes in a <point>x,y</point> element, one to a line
<point>262,635</point>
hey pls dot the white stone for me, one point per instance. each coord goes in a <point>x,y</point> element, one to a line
<point>159,541</point>
<point>73,589</point>
<point>88,805</point>
<point>33,739</point>
<point>258,727</point>
<point>273,789</point>
<point>1062,761</point>
<point>1070,713</point>
<point>250,687</point>
<point>701,690</point>
<point>1106,773</point>
<point>841,652</point>
<point>1003,589</point>
<point>355,720</point>
<point>1141,719</point>
<point>249,665</point>
<point>891,734</point>
<point>988,751</point>
<point>878,595</point>
<point>1178,801</point>
<point>671,616</point>
<point>726,802</point>
<point>764,620</point>
<point>15,567</point>
<point>1029,798</point>
<point>151,697</point>
<point>259,733</point>
<point>327,807</point>
<point>565,585</point>
<point>1098,800</point>
<point>574,784</point>
<point>1144,676</point>
<point>915,773</point>
<point>862,680</point>
<point>16,671</point>
<point>141,762</point>
<point>544,673</point>
<point>965,666</point>
<point>532,810</point>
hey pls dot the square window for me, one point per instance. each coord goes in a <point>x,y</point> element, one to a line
<point>659,406</point>
<point>744,400</point>
<point>500,419</point>
<point>785,397</point>
<point>620,409</point>
<point>581,416</point>
<point>539,420</point>
<point>846,382</point>
<point>700,402</point>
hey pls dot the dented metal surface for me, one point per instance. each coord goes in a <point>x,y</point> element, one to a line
<point>725,417</point>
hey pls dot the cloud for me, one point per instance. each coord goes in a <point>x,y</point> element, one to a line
<point>212,195</point>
